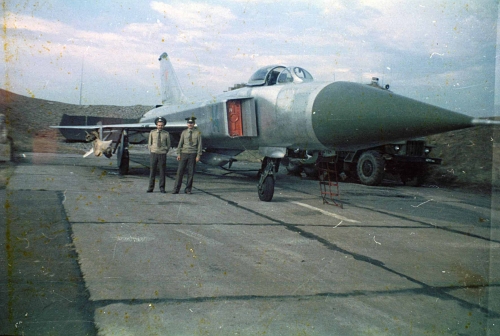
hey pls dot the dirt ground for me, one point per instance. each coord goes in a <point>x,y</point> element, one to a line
<point>471,157</point>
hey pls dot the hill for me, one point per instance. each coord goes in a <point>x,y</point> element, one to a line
<point>28,120</point>
<point>471,157</point>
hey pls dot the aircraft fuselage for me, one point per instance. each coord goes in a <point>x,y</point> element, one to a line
<point>282,111</point>
<point>312,116</point>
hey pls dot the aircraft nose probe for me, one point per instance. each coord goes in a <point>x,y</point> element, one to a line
<point>484,122</point>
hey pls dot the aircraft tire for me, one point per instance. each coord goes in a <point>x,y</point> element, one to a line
<point>370,168</point>
<point>123,165</point>
<point>266,190</point>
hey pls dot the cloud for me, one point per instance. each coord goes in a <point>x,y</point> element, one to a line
<point>18,22</point>
<point>428,26</point>
<point>188,16</point>
<point>218,45</point>
<point>44,55</point>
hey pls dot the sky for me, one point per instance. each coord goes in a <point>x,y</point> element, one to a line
<point>95,52</point>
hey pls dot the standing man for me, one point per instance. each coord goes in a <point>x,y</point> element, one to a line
<point>158,145</point>
<point>188,153</point>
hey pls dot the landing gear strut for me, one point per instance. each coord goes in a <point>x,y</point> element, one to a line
<point>123,155</point>
<point>265,187</point>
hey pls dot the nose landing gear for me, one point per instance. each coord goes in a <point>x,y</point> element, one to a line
<point>265,188</point>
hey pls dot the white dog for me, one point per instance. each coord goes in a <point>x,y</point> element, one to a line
<point>99,147</point>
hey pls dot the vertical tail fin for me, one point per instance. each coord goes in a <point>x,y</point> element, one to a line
<point>171,92</point>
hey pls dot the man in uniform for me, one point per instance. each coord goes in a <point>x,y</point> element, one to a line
<point>188,153</point>
<point>158,145</point>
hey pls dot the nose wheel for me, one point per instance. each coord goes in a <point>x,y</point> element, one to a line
<point>265,187</point>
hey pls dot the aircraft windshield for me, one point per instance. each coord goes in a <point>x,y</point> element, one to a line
<point>285,77</point>
<point>302,73</point>
<point>260,74</point>
<point>276,74</point>
<point>259,77</point>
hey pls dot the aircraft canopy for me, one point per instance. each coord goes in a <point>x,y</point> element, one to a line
<point>279,74</point>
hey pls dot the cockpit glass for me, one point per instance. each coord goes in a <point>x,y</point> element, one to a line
<point>285,77</point>
<point>260,74</point>
<point>276,74</point>
<point>301,73</point>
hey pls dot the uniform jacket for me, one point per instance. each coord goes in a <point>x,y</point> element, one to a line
<point>163,146</point>
<point>189,148</point>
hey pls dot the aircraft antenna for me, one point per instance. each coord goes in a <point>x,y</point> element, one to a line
<point>81,75</point>
<point>81,81</point>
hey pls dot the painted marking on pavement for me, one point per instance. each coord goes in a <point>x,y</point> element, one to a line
<point>134,239</point>
<point>342,218</point>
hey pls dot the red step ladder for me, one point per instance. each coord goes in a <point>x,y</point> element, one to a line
<point>329,181</point>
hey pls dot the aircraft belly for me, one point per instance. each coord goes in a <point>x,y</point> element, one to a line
<point>231,143</point>
<point>350,115</point>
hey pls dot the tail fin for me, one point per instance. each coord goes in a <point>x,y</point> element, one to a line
<point>171,92</point>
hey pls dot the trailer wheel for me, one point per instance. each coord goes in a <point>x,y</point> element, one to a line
<point>370,168</point>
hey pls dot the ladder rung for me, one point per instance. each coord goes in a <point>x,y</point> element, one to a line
<point>331,183</point>
<point>329,194</point>
<point>326,172</point>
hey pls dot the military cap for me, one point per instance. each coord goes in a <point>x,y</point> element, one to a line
<point>163,120</point>
<point>191,120</point>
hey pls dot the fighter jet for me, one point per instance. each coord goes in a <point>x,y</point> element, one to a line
<point>286,115</point>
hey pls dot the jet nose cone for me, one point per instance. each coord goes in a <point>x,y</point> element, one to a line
<point>348,115</point>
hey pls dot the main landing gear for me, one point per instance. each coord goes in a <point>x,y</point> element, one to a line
<point>267,178</point>
<point>123,156</point>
